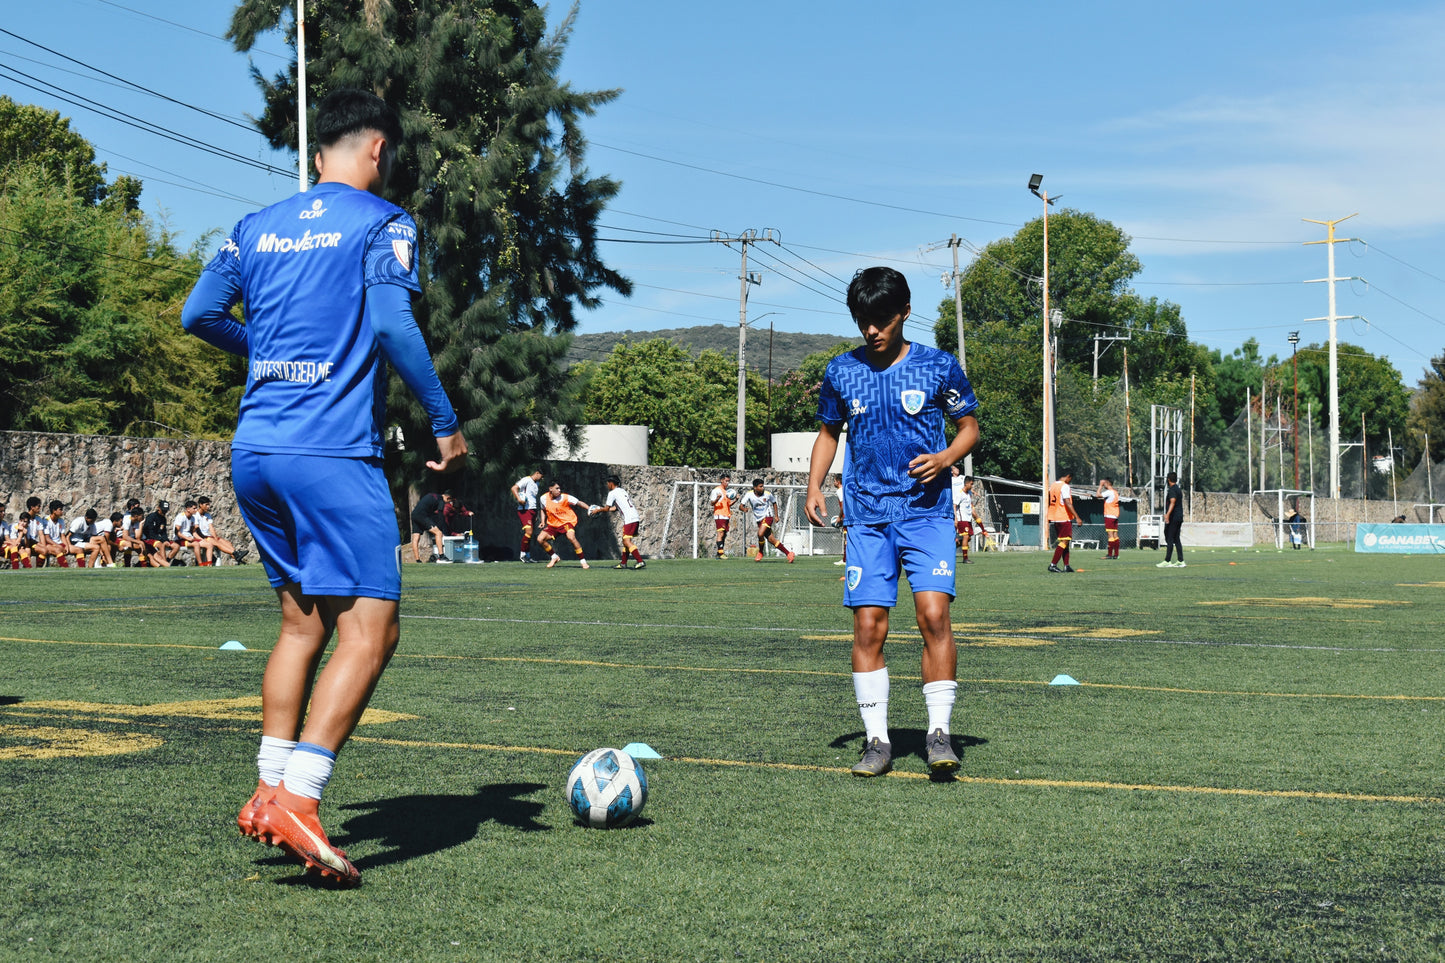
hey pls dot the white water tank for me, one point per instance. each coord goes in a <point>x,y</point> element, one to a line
<point>604,444</point>
<point>792,451</point>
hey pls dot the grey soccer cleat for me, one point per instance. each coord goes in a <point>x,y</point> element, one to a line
<point>877,759</point>
<point>941,757</point>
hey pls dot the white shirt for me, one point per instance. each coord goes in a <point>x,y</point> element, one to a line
<point>763,506</point>
<point>203,524</point>
<point>619,499</point>
<point>963,506</point>
<point>527,491</point>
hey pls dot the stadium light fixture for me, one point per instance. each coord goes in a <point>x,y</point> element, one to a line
<point>1047,449</point>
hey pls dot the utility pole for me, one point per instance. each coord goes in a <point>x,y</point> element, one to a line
<point>301,93</point>
<point>956,280</point>
<point>1333,319</point>
<point>1047,451</point>
<point>743,240</point>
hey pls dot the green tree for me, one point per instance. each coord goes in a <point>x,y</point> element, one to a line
<point>1427,414</point>
<point>493,171</point>
<point>1090,267</point>
<point>1368,385</point>
<point>90,294</point>
<point>689,403</point>
<point>794,403</point>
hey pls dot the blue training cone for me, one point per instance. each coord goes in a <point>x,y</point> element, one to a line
<point>1062,679</point>
<point>233,646</point>
<point>641,750</point>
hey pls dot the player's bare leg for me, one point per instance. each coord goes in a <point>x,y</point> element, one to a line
<point>870,685</point>
<point>940,670</point>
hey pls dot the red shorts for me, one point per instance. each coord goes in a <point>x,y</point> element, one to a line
<point>526,516</point>
<point>722,522</point>
<point>766,522</point>
<point>554,530</point>
<point>1063,530</point>
<point>629,529</point>
<point>964,528</point>
<point>1111,523</point>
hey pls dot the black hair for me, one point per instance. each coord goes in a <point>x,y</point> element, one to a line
<point>189,503</point>
<point>1106,480</point>
<point>1172,478</point>
<point>877,294</point>
<point>615,480</point>
<point>32,502</point>
<point>348,111</point>
<point>203,499</point>
<point>757,482</point>
<point>56,503</point>
<point>91,514</point>
<point>116,517</point>
<point>132,503</point>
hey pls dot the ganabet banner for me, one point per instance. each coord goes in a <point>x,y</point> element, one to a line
<point>1401,539</point>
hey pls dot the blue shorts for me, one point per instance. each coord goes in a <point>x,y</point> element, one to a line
<point>326,524</point>
<point>922,548</point>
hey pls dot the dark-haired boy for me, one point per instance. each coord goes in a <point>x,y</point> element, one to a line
<point>619,501</point>
<point>764,506</point>
<point>326,277</point>
<point>894,397</point>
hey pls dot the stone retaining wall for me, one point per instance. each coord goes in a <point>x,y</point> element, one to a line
<point>87,471</point>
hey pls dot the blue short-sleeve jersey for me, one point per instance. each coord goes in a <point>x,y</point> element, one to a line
<point>316,380</point>
<point>893,415</point>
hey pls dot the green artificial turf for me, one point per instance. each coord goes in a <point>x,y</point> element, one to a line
<point>1249,769</point>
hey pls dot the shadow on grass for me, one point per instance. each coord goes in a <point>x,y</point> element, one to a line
<point>910,742</point>
<point>10,700</point>
<point>413,826</point>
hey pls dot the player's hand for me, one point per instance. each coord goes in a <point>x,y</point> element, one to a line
<point>453,454</point>
<point>927,467</point>
<point>814,508</point>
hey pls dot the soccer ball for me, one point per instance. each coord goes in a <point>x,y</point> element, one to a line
<point>606,788</point>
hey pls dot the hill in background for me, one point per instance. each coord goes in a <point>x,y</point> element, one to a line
<point>789,348</point>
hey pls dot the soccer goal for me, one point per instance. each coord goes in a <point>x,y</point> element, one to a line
<point>1291,513</point>
<point>690,532</point>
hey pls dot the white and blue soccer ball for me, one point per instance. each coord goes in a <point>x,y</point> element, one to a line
<point>606,788</point>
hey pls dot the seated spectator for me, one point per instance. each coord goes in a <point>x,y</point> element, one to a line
<point>86,542</point>
<point>112,529</point>
<point>211,540</point>
<point>51,541</point>
<point>184,533</point>
<point>156,535</point>
<point>131,541</point>
<point>16,542</point>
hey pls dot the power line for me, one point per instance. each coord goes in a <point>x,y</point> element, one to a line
<point>182,26</point>
<point>129,120</point>
<point>128,83</point>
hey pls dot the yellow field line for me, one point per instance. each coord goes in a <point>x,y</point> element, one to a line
<point>973,780</point>
<point>590,663</point>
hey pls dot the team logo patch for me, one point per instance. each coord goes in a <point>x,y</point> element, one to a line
<point>402,250</point>
<point>316,211</point>
<point>943,568</point>
<point>912,401</point>
<point>855,575</point>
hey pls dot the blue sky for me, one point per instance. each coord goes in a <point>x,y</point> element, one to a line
<point>1207,132</point>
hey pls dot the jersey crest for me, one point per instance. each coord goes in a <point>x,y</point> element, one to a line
<point>912,401</point>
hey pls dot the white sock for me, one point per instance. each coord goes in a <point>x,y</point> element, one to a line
<point>871,688</point>
<point>309,770</point>
<point>939,698</point>
<point>272,757</point>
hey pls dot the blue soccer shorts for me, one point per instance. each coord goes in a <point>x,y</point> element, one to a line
<point>325,524</point>
<point>920,548</point>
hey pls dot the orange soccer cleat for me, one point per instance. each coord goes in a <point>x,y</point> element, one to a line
<point>290,821</point>
<point>245,819</point>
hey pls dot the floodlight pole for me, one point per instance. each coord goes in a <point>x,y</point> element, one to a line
<point>1333,319</point>
<point>1294,361</point>
<point>301,158</point>
<point>955,280</point>
<point>1047,452</point>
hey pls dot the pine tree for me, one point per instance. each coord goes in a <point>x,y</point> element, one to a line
<point>492,169</point>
